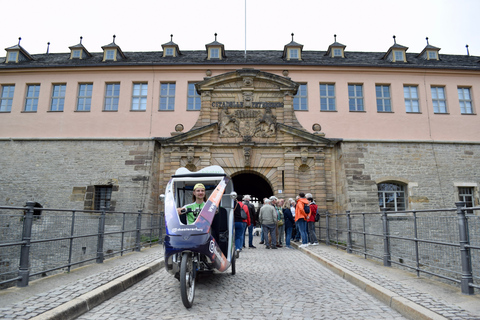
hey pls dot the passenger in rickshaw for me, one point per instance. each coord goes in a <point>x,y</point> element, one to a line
<point>193,209</point>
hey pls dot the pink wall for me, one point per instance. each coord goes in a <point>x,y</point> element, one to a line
<point>369,125</point>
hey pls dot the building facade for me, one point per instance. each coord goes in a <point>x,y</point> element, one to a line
<point>361,131</point>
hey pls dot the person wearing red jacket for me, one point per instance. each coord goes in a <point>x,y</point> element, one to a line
<point>301,218</point>
<point>312,237</point>
<point>246,222</point>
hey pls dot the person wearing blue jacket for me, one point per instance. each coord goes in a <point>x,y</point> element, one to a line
<point>289,224</point>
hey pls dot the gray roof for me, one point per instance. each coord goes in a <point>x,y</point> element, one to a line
<point>237,58</point>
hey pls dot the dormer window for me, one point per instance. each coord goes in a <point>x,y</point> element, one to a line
<point>110,54</point>
<point>399,56</point>
<point>169,52</point>
<point>215,50</point>
<point>17,54</point>
<point>12,56</point>
<point>336,49</point>
<point>170,49</point>
<point>337,52</point>
<point>429,52</point>
<point>293,54</point>
<point>292,51</point>
<point>214,53</point>
<point>432,55</point>
<point>396,53</point>
<point>77,54</point>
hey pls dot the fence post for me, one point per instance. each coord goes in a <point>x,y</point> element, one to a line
<point>386,240</point>
<point>101,236</point>
<point>467,277</point>
<point>327,237</point>
<point>349,233</point>
<point>139,227</point>
<point>23,270</point>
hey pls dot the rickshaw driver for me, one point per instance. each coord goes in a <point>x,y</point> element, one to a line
<point>193,209</point>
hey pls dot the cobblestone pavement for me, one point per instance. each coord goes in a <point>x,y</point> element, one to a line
<point>269,284</point>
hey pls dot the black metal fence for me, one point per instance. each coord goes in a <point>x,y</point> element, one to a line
<point>441,243</point>
<point>36,242</point>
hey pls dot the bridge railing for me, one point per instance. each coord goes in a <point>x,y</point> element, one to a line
<point>36,242</point>
<point>443,243</point>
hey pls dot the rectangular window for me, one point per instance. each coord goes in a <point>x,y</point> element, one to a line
<point>337,52</point>
<point>139,96</point>
<point>103,196</point>
<point>300,99</point>
<point>84,100</point>
<point>432,55</point>
<point>399,56</point>
<point>438,100</point>
<point>12,56</point>
<point>293,53</point>
<point>410,93</point>
<point>465,100</point>
<point>327,97</point>
<point>384,103</point>
<point>167,96</point>
<point>112,95</point>
<point>194,100</point>
<point>110,55</point>
<point>214,53</point>
<point>31,100</point>
<point>169,52</point>
<point>76,53</point>
<point>58,97</point>
<point>355,97</point>
<point>466,194</point>
<point>6,99</point>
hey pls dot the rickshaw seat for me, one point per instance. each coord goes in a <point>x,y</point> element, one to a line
<point>219,229</point>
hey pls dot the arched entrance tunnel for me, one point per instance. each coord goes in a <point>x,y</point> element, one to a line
<point>252,184</point>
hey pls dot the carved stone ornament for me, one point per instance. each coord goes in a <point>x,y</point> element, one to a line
<point>247,122</point>
<point>246,153</point>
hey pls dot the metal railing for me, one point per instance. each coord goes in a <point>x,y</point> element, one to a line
<point>36,242</point>
<point>444,243</point>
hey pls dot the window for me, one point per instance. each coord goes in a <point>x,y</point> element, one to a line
<point>167,96</point>
<point>139,96</point>
<point>84,100</point>
<point>432,55</point>
<point>76,54</point>
<point>355,97</point>
<point>438,100</point>
<point>399,56</point>
<point>391,196</point>
<point>327,97</point>
<point>31,100</point>
<point>337,52</point>
<point>6,99</point>
<point>383,98</point>
<point>410,93</point>
<point>293,53</point>
<point>12,56</point>
<point>465,100</point>
<point>214,53</point>
<point>169,52</point>
<point>194,102</point>
<point>112,95</point>
<point>110,55</point>
<point>466,194</point>
<point>58,97</point>
<point>103,196</point>
<point>300,99</point>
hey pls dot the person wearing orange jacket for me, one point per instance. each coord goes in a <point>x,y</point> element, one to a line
<point>301,218</point>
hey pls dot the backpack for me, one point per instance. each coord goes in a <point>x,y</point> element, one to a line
<point>306,208</point>
<point>317,217</point>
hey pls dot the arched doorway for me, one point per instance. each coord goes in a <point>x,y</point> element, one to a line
<point>252,184</point>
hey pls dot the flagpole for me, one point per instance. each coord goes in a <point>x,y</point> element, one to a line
<point>245,30</point>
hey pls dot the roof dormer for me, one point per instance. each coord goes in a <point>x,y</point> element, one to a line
<point>79,51</point>
<point>336,49</point>
<point>215,50</point>
<point>112,52</point>
<point>170,49</point>
<point>17,54</point>
<point>292,51</point>
<point>396,53</point>
<point>429,52</point>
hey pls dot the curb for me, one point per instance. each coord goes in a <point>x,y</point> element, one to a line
<point>400,304</point>
<point>84,303</point>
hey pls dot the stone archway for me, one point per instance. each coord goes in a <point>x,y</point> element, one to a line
<point>252,184</point>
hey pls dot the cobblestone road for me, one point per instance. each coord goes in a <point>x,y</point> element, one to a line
<point>269,284</point>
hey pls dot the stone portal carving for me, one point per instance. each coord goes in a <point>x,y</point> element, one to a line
<point>247,123</point>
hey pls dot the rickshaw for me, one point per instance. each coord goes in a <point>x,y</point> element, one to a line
<point>208,243</point>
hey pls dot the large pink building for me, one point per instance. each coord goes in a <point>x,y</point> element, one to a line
<point>359,130</point>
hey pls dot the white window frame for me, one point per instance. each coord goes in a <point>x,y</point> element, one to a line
<point>337,52</point>
<point>169,52</point>
<point>214,53</point>
<point>465,100</point>
<point>300,100</point>
<point>399,55</point>
<point>194,100</point>
<point>293,53</point>
<point>77,54</point>
<point>432,55</point>
<point>12,56</point>
<point>358,103</point>
<point>327,101</point>
<point>410,101</point>
<point>31,98</point>
<point>6,99</point>
<point>84,100</point>
<point>167,96</point>
<point>57,102</point>
<point>392,196</point>
<point>439,103</point>
<point>384,99</point>
<point>111,100</point>
<point>139,96</point>
<point>110,54</point>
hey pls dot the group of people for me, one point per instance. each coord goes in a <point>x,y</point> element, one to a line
<point>276,217</point>
<point>279,218</point>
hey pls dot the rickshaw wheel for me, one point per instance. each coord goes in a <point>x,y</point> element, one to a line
<point>233,264</point>
<point>187,280</point>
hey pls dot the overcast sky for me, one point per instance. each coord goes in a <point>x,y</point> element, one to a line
<point>144,25</point>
